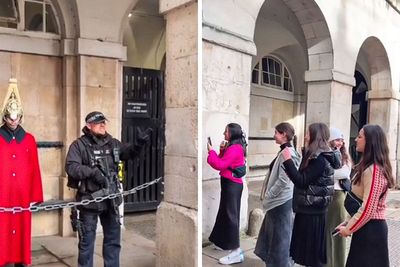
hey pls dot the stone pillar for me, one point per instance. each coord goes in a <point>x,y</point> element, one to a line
<point>176,223</point>
<point>71,126</point>
<point>226,98</point>
<point>384,111</point>
<point>329,99</point>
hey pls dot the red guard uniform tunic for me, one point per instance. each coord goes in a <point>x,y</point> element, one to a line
<point>20,185</point>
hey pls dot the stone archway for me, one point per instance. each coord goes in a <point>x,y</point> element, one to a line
<point>297,36</point>
<point>383,100</point>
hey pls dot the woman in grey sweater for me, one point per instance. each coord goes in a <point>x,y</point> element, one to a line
<point>274,238</point>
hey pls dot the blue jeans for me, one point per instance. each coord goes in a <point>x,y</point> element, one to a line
<point>111,242</point>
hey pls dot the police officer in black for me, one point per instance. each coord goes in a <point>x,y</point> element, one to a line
<point>92,167</point>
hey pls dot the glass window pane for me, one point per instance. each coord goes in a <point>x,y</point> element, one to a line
<point>277,68</point>
<point>278,81</point>
<point>290,86</point>
<point>254,76</point>
<point>51,24</point>
<point>265,64</point>
<point>265,78</point>
<point>257,66</point>
<point>8,9</point>
<point>33,16</point>
<point>285,84</point>
<point>271,65</point>
<point>272,79</point>
<point>286,73</point>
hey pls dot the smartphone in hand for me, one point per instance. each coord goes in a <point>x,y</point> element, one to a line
<point>335,232</point>
<point>209,140</point>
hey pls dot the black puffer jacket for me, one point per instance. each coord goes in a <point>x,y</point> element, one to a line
<point>313,189</point>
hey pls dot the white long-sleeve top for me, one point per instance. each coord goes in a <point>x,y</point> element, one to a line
<point>342,173</point>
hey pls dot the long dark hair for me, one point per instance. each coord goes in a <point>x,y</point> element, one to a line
<point>237,136</point>
<point>319,136</point>
<point>376,151</point>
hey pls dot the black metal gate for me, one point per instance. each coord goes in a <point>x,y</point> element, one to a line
<point>143,107</point>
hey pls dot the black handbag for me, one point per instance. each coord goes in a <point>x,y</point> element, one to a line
<point>238,172</point>
<point>352,203</point>
<point>345,184</point>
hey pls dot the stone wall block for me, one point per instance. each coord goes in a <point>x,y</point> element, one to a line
<point>181,190</point>
<point>225,97</point>
<point>181,132</point>
<point>181,81</point>
<point>308,31</point>
<point>228,66</point>
<point>168,5</point>
<point>45,223</point>
<point>308,15</point>
<point>50,161</point>
<point>182,32</point>
<point>5,71</point>
<point>319,45</point>
<point>51,187</point>
<point>187,166</point>
<point>70,71</point>
<point>50,69</point>
<point>99,72</point>
<point>43,128</point>
<point>326,61</point>
<point>320,28</point>
<point>176,242</point>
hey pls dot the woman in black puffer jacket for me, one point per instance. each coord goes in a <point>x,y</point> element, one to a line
<point>313,191</point>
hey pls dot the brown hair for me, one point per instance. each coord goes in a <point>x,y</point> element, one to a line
<point>287,128</point>
<point>346,159</point>
<point>319,136</point>
<point>376,151</point>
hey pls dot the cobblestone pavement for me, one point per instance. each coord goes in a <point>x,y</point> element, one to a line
<point>210,255</point>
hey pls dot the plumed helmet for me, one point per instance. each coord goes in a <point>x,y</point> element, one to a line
<point>12,106</point>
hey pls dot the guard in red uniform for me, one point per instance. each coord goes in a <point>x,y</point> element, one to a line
<point>20,182</point>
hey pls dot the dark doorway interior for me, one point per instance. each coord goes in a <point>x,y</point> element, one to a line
<point>359,111</point>
<point>144,107</point>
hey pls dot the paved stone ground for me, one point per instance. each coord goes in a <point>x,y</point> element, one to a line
<point>138,246</point>
<point>210,255</point>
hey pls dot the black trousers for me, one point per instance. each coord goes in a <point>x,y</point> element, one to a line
<point>111,242</point>
<point>225,233</point>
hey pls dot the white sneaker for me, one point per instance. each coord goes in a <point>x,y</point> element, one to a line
<point>231,259</point>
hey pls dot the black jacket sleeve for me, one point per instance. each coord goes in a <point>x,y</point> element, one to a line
<point>74,166</point>
<point>304,178</point>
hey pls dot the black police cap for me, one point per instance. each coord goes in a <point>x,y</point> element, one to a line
<point>95,117</point>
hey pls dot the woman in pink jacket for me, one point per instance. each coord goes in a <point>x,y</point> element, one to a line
<point>231,164</point>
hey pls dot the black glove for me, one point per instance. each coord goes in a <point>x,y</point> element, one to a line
<point>99,178</point>
<point>143,137</point>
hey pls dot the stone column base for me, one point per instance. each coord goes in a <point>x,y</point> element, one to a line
<point>176,229</point>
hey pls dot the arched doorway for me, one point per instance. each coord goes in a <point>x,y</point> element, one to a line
<point>144,101</point>
<point>373,71</point>
<point>359,111</point>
